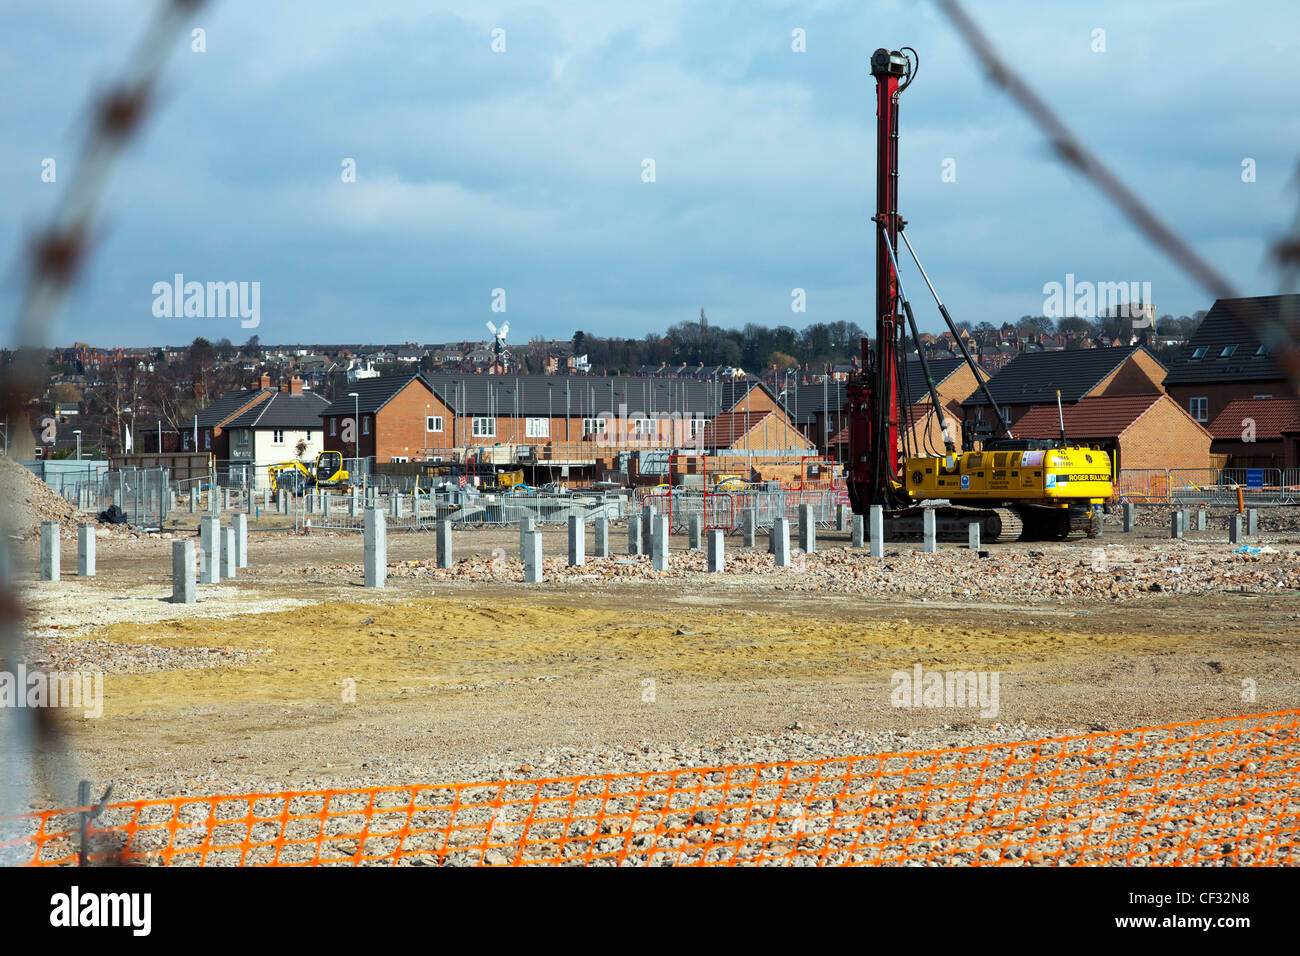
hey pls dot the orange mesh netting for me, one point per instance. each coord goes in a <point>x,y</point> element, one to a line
<point>1217,792</point>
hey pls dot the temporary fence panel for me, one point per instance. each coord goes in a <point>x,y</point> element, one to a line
<point>716,510</point>
<point>143,494</point>
<point>1209,486</point>
<point>422,512</point>
<point>1143,485</point>
<point>1194,486</point>
<point>1290,486</point>
<point>726,511</point>
<point>1214,792</point>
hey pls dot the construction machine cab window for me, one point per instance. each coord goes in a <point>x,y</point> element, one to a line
<point>328,465</point>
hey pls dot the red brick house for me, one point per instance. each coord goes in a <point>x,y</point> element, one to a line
<point>1137,431</point>
<point>390,418</point>
<point>1224,361</point>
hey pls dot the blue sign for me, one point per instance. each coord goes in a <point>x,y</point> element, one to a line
<point>965,482</point>
<point>1254,477</point>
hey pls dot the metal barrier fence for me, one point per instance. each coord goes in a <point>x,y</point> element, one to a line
<point>1206,793</point>
<point>1209,486</point>
<point>143,494</point>
<point>725,510</point>
<point>411,512</point>
<point>235,473</point>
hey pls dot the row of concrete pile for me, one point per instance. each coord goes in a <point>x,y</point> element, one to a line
<point>222,550</point>
<point>1180,522</point>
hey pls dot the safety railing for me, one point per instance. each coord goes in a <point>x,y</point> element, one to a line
<point>726,511</point>
<point>1211,792</point>
<point>716,509</point>
<point>1209,486</point>
<point>415,512</point>
<point>143,495</point>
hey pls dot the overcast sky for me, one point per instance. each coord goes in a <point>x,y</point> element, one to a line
<point>523,170</point>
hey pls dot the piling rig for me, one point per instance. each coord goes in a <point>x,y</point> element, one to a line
<point>1013,487</point>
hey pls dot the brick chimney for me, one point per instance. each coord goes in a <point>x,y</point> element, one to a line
<point>264,381</point>
<point>295,385</point>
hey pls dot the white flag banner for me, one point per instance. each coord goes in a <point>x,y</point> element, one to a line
<point>126,438</point>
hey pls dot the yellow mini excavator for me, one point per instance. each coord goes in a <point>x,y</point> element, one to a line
<point>297,477</point>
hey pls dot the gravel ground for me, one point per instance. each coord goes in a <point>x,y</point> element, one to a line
<point>1162,800</point>
<point>1098,571</point>
<point>1122,632</point>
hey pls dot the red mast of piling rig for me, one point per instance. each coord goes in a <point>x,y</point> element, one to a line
<point>873,400</point>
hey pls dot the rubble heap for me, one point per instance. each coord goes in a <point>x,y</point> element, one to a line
<point>28,501</point>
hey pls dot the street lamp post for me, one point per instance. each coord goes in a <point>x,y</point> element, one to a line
<point>77,432</point>
<point>356,425</point>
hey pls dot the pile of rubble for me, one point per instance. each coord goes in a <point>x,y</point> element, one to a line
<point>28,501</point>
<point>1110,572</point>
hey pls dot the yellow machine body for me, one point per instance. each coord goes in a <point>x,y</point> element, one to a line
<point>1052,477</point>
<point>327,472</point>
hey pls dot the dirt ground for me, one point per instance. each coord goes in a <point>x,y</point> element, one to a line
<point>294,675</point>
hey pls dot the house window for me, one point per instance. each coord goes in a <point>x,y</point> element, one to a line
<point>433,423</point>
<point>334,427</point>
<point>1200,408</point>
<point>1199,353</point>
<point>644,427</point>
<point>697,425</point>
<point>241,438</point>
<point>309,434</point>
<point>365,424</point>
<point>1227,351</point>
<point>207,439</point>
<point>483,427</point>
<point>593,426</point>
<point>537,428</point>
<point>1259,351</point>
<point>277,436</point>
<point>1261,396</point>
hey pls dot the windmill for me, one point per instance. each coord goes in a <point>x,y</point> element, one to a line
<point>500,355</point>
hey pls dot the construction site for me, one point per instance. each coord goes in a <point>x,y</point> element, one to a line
<point>569,654</point>
<point>925,615</point>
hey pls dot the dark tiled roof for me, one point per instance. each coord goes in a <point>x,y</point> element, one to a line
<point>222,408</point>
<point>1222,327</point>
<point>283,410</point>
<point>588,396</point>
<point>940,370</point>
<point>1273,417</point>
<point>808,401</point>
<point>1032,378</point>
<point>372,394</point>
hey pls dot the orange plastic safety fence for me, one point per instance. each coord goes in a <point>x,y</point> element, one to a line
<point>1217,791</point>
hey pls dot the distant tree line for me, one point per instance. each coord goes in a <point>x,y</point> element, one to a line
<point>751,347</point>
<point>755,347</point>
